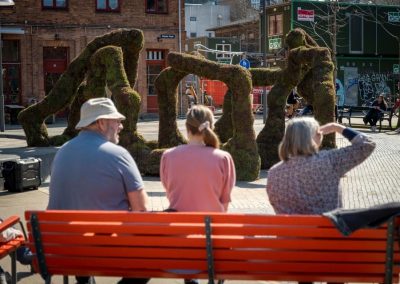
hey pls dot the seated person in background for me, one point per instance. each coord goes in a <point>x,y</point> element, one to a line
<point>306,180</point>
<point>396,107</point>
<point>292,102</point>
<point>376,112</point>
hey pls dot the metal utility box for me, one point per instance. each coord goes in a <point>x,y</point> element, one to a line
<point>22,174</point>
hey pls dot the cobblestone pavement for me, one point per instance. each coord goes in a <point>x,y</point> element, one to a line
<point>373,182</point>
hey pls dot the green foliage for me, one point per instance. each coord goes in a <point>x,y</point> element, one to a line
<point>241,144</point>
<point>224,127</point>
<point>311,69</point>
<point>66,88</point>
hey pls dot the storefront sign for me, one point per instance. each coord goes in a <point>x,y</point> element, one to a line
<point>275,43</point>
<point>394,17</point>
<point>396,69</point>
<point>305,15</point>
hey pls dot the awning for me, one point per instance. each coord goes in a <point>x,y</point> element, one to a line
<point>12,30</point>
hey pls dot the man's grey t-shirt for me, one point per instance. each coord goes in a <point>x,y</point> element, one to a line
<point>91,173</point>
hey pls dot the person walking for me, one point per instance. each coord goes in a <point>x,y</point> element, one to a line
<point>92,172</point>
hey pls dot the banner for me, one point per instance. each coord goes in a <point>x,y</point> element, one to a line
<point>305,15</point>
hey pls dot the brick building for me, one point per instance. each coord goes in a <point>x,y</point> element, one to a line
<point>41,37</point>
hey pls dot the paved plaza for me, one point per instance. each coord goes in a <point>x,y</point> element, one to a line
<point>376,181</point>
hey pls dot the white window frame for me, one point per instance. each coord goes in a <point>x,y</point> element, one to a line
<point>226,47</point>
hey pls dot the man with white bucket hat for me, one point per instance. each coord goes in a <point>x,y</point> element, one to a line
<point>92,172</point>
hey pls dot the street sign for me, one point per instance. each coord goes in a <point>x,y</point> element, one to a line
<point>396,69</point>
<point>167,36</point>
<point>275,43</point>
<point>394,17</point>
<point>224,60</point>
<point>245,63</point>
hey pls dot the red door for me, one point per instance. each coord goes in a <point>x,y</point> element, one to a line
<point>55,62</point>
<point>155,63</point>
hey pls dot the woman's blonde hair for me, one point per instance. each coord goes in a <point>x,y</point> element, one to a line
<point>298,139</point>
<point>200,121</point>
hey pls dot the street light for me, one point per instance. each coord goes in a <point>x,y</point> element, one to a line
<point>3,3</point>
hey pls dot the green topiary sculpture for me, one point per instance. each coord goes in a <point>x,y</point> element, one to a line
<point>242,144</point>
<point>66,88</point>
<point>310,67</point>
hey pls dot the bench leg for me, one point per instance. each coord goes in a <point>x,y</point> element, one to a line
<point>14,267</point>
<point>65,279</point>
<point>48,280</point>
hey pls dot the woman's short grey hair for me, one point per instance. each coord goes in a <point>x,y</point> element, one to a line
<point>298,139</point>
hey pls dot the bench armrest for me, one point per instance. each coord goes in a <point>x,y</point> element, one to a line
<point>9,222</point>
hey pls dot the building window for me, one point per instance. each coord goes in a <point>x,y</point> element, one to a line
<point>275,24</point>
<point>157,6</point>
<point>193,19</point>
<point>193,34</point>
<point>356,30</point>
<point>223,47</point>
<point>107,5</point>
<point>55,4</point>
<point>12,72</point>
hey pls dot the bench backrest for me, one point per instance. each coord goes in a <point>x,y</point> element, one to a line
<point>208,245</point>
<point>361,108</point>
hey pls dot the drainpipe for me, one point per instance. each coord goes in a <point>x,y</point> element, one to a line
<point>180,51</point>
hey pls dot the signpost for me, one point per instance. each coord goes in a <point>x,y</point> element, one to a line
<point>245,63</point>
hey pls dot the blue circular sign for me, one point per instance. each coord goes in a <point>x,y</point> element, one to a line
<point>245,63</point>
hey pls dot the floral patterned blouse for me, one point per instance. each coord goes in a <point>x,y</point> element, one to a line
<point>310,184</point>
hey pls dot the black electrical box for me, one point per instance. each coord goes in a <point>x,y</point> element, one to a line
<point>22,174</point>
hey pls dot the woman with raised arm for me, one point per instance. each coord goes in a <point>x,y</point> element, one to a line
<point>306,180</point>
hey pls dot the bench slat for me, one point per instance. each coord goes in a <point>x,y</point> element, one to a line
<point>179,217</point>
<point>199,228</point>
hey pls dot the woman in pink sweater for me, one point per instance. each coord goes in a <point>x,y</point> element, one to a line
<point>198,176</point>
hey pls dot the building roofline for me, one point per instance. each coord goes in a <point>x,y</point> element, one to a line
<point>236,23</point>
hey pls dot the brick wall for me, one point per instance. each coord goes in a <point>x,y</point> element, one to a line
<point>77,26</point>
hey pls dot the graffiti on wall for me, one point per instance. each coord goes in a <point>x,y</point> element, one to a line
<point>371,84</point>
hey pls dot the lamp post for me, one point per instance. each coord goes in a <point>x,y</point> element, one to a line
<point>3,3</point>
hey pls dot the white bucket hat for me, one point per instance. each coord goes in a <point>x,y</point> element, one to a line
<point>97,108</point>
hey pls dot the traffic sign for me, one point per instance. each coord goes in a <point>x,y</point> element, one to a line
<point>396,69</point>
<point>245,63</point>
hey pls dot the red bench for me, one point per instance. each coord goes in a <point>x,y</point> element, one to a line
<point>10,247</point>
<point>209,246</point>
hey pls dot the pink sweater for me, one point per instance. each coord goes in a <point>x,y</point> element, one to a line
<point>197,178</point>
